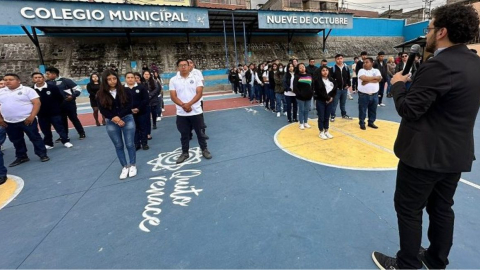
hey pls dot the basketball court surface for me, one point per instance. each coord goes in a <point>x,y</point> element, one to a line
<point>273,196</point>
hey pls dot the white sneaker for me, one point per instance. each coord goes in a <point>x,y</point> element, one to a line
<point>350,96</point>
<point>132,171</point>
<point>163,110</point>
<point>68,145</point>
<point>307,125</point>
<point>285,113</point>
<point>302,127</point>
<point>382,104</point>
<point>322,136</point>
<point>278,114</point>
<point>328,135</point>
<point>378,105</point>
<point>124,173</point>
<point>48,147</point>
<point>159,119</point>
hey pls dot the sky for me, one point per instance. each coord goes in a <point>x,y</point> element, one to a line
<point>380,5</point>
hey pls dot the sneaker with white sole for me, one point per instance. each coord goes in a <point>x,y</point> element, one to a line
<point>382,104</point>
<point>278,114</point>
<point>159,119</point>
<point>163,110</point>
<point>124,173</point>
<point>285,113</point>
<point>307,125</point>
<point>332,119</point>
<point>350,97</point>
<point>132,171</point>
<point>328,135</point>
<point>322,135</point>
<point>302,127</point>
<point>49,147</point>
<point>68,145</point>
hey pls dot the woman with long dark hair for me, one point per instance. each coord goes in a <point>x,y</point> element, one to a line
<point>161,106</point>
<point>324,91</point>
<point>289,94</point>
<point>115,103</point>
<point>153,91</point>
<point>92,87</point>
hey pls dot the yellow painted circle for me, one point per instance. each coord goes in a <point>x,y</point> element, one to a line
<point>351,148</point>
<point>10,189</point>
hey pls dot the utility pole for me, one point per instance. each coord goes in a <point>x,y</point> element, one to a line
<point>428,9</point>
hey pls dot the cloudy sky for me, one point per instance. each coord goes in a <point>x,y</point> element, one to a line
<point>380,5</point>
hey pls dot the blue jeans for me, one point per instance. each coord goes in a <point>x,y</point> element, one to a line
<point>15,133</point>
<point>3,136</point>
<point>381,91</point>
<point>244,90</point>
<point>270,97</point>
<point>323,112</point>
<point>46,127</point>
<point>115,133</point>
<point>389,84</point>
<point>291,104</point>
<point>342,96</point>
<point>280,101</point>
<point>259,93</point>
<point>303,108</point>
<point>365,102</point>
<point>251,90</point>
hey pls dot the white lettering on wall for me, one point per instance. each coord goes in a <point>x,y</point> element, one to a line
<point>305,20</point>
<point>24,10</point>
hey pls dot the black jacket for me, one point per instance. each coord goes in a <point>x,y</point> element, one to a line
<point>383,70</point>
<point>358,66</point>
<point>92,90</point>
<point>311,69</point>
<point>140,98</point>
<point>439,111</point>
<point>320,91</point>
<point>118,109</point>
<point>303,90</point>
<point>65,84</point>
<point>152,93</point>
<point>51,100</point>
<point>341,76</point>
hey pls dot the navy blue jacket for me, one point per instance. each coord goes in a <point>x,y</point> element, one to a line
<point>67,84</point>
<point>51,100</point>
<point>140,98</point>
<point>118,109</point>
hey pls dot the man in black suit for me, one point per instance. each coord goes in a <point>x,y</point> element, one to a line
<point>435,139</point>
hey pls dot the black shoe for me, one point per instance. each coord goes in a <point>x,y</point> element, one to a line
<point>346,117</point>
<point>363,128</point>
<point>295,120</point>
<point>44,159</point>
<point>145,147</point>
<point>155,127</point>
<point>3,179</point>
<point>59,140</point>
<point>18,161</point>
<point>372,126</point>
<point>389,96</point>
<point>383,261</point>
<point>290,121</point>
<point>191,136</point>
<point>149,138</point>
<point>82,136</point>
<point>137,147</point>
<point>206,154</point>
<point>182,158</point>
<point>421,257</point>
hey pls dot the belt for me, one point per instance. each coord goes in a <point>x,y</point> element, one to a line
<point>361,93</point>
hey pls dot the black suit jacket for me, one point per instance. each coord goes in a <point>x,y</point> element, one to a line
<point>439,111</point>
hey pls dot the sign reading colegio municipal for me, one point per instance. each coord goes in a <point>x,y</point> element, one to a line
<point>303,20</point>
<point>100,15</point>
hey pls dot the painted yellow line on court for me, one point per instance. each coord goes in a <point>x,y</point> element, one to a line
<point>10,190</point>
<point>351,148</point>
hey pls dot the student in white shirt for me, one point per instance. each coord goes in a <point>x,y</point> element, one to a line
<point>368,79</point>
<point>197,73</point>
<point>186,90</point>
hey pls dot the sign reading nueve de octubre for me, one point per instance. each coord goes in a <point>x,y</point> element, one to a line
<point>303,20</point>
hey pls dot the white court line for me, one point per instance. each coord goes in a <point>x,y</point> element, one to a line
<point>363,140</point>
<point>469,183</point>
<point>20,185</point>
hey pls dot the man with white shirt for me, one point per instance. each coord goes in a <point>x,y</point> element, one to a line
<point>19,108</point>
<point>368,86</point>
<point>199,75</point>
<point>186,90</point>
<point>50,111</point>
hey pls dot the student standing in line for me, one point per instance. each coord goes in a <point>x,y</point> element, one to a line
<point>279,91</point>
<point>302,86</point>
<point>50,111</point>
<point>140,100</point>
<point>391,71</point>
<point>324,92</point>
<point>70,91</point>
<point>289,94</point>
<point>153,91</point>
<point>20,105</point>
<point>116,104</point>
<point>161,107</point>
<point>92,88</point>
<point>3,169</point>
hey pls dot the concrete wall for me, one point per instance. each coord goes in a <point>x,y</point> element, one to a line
<point>372,27</point>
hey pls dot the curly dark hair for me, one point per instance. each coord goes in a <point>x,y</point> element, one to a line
<point>460,20</point>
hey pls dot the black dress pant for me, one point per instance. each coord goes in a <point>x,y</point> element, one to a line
<point>185,124</point>
<point>415,189</point>
<point>69,111</point>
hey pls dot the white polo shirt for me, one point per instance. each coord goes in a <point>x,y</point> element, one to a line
<point>369,88</point>
<point>16,105</point>
<point>186,89</point>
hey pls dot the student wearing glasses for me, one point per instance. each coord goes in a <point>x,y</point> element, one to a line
<point>401,66</point>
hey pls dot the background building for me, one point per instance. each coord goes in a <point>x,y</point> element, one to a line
<point>301,5</point>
